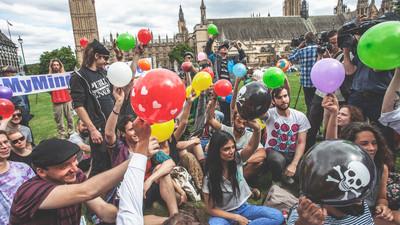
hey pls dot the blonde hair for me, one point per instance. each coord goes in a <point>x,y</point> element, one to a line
<point>62,70</point>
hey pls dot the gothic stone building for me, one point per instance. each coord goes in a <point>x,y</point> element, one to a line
<point>8,52</point>
<point>263,38</point>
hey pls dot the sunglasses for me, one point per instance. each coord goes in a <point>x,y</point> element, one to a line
<point>16,141</point>
<point>17,115</point>
<point>105,57</point>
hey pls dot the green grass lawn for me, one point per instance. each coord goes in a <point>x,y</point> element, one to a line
<point>43,124</point>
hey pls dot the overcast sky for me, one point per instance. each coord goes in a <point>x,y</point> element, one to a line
<point>46,24</point>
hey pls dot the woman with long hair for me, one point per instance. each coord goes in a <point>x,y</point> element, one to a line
<point>337,117</point>
<point>224,187</point>
<point>371,140</point>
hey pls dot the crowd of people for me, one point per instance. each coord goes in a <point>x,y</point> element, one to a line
<point>110,162</point>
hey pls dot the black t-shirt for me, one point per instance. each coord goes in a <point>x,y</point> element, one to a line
<point>224,70</point>
<point>101,88</point>
<point>17,158</point>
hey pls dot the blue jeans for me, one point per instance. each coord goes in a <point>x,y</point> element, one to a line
<point>257,215</point>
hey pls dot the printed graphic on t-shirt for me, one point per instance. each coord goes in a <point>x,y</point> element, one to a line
<point>100,88</point>
<point>283,137</point>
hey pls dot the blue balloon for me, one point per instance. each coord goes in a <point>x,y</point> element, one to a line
<point>228,99</point>
<point>239,70</point>
<point>6,92</point>
<point>230,66</point>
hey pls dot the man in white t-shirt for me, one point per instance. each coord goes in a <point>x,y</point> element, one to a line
<point>286,138</point>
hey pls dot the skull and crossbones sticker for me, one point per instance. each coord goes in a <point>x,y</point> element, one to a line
<point>354,177</point>
<point>241,99</point>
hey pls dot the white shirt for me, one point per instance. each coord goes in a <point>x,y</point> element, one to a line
<point>283,131</point>
<point>391,119</point>
<point>131,192</point>
<point>243,140</point>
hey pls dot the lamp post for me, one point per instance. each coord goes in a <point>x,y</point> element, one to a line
<point>20,41</point>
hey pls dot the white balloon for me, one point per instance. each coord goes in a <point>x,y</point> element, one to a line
<point>119,74</point>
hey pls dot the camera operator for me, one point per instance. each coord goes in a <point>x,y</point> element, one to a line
<point>328,48</point>
<point>306,55</point>
<point>368,87</point>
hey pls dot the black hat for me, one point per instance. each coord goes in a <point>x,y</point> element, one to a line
<point>53,152</point>
<point>225,44</point>
<point>99,48</point>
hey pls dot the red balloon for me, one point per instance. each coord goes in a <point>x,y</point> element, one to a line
<point>6,108</point>
<point>83,42</point>
<point>223,88</point>
<point>210,71</point>
<point>144,36</point>
<point>158,96</point>
<point>186,67</point>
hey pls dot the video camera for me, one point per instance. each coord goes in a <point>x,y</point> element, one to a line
<point>346,33</point>
<point>297,41</point>
<point>323,43</point>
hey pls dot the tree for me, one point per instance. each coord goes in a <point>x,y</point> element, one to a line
<point>64,54</point>
<point>176,54</point>
<point>32,69</point>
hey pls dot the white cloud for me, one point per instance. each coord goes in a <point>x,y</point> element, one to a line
<point>45,25</point>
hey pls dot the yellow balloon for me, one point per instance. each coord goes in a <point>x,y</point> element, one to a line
<point>189,92</point>
<point>163,131</point>
<point>261,123</point>
<point>201,81</point>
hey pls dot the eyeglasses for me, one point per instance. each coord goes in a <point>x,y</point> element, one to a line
<point>105,57</point>
<point>16,141</point>
<point>17,115</point>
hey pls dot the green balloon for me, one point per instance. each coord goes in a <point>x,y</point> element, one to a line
<point>126,42</point>
<point>212,29</point>
<point>379,47</point>
<point>274,77</point>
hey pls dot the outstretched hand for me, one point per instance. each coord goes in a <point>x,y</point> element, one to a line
<point>310,213</point>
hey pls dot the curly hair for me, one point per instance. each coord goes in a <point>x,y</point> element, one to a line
<point>383,155</point>
<point>356,114</point>
<point>62,70</point>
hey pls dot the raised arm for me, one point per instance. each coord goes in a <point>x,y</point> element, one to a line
<point>392,95</point>
<point>331,105</point>
<point>185,117</point>
<point>211,114</point>
<point>66,195</point>
<point>111,124</point>
<point>234,96</point>
<point>253,142</point>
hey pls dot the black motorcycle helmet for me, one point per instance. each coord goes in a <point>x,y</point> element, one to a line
<point>336,173</point>
<point>253,101</point>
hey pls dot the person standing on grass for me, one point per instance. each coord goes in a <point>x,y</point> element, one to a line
<point>92,100</point>
<point>61,100</point>
<point>12,175</point>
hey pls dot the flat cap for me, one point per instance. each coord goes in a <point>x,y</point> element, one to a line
<point>53,152</point>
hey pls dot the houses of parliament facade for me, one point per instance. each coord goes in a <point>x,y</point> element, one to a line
<point>263,38</point>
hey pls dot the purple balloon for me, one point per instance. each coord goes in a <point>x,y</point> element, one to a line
<point>5,92</point>
<point>327,75</point>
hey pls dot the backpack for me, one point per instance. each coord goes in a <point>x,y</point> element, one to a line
<point>181,176</point>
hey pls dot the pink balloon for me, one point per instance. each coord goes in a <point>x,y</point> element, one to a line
<point>201,56</point>
<point>327,75</point>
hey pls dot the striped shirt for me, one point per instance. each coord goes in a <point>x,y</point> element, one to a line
<point>307,57</point>
<point>25,208</point>
<point>364,219</point>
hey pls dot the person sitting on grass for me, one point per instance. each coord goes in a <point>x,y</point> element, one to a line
<point>225,190</point>
<point>158,183</point>
<point>21,151</point>
<point>12,175</point>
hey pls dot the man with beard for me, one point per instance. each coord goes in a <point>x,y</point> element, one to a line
<point>93,102</point>
<point>286,139</point>
<point>61,100</point>
<point>221,62</point>
<point>81,138</point>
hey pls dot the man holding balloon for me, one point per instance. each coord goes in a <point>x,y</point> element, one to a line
<point>221,62</point>
<point>92,100</point>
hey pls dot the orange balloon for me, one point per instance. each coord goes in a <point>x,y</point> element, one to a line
<point>144,64</point>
